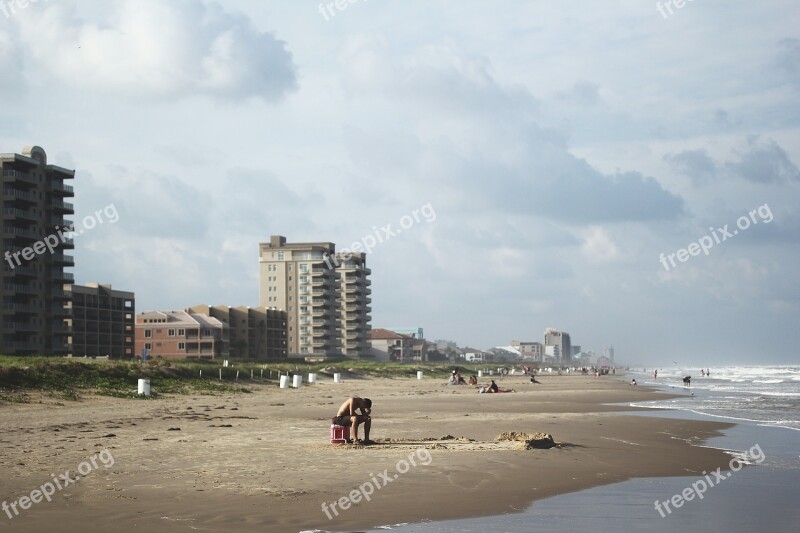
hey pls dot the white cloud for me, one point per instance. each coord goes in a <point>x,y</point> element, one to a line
<point>598,245</point>
<point>151,48</point>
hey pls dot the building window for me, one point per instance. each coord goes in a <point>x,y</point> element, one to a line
<point>148,334</point>
<point>181,345</point>
<point>171,332</point>
<point>181,333</point>
<point>148,346</point>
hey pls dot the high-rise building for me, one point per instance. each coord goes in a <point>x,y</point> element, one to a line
<point>35,304</point>
<point>298,277</point>
<point>325,295</point>
<point>103,321</point>
<point>609,352</point>
<point>253,332</point>
<point>560,340</point>
<point>355,311</point>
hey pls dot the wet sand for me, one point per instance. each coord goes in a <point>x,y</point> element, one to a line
<point>241,462</point>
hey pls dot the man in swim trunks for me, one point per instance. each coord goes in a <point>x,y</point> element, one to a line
<point>347,416</point>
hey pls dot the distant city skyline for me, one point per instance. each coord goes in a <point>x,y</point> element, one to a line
<point>509,169</point>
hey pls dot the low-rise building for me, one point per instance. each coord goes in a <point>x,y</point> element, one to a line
<point>103,321</point>
<point>180,335</point>
<point>529,351</point>
<point>390,346</point>
<point>253,332</point>
<point>473,355</point>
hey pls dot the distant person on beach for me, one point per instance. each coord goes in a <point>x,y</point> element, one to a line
<point>655,374</point>
<point>347,416</point>
<point>702,373</point>
<point>533,379</point>
<point>708,372</point>
<point>687,380</point>
<point>493,388</point>
<point>633,382</point>
<point>473,380</point>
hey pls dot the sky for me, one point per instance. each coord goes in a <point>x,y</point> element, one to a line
<point>511,165</point>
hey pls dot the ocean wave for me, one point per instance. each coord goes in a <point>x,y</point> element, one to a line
<point>767,381</point>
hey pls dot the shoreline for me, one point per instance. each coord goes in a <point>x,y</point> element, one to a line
<point>262,459</point>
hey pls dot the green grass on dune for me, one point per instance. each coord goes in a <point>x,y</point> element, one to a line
<point>69,379</point>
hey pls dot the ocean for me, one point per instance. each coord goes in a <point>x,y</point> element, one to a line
<point>764,402</point>
<point>766,395</point>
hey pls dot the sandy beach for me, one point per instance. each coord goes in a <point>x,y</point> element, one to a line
<point>240,462</point>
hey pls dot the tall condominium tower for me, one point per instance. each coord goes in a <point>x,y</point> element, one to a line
<point>561,340</point>
<point>324,295</point>
<point>295,277</point>
<point>35,304</point>
<point>355,311</point>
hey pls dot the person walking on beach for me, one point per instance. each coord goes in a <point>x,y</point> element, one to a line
<point>347,416</point>
<point>655,374</point>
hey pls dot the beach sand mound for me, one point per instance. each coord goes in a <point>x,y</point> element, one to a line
<point>527,441</point>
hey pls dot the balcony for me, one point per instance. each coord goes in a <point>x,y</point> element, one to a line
<point>61,259</point>
<point>17,325</point>
<point>20,309</point>
<point>65,277</point>
<point>13,195</point>
<point>60,221</point>
<point>20,270</point>
<point>20,233</point>
<point>66,190</point>
<point>20,288</point>
<point>16,175</point>
<point>60,294</point>
<point>13,212</point>
<point>60,310</point>
<point>64,207</point>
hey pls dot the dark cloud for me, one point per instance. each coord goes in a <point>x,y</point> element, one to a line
<point>764,162</point>
<point>696,164</point>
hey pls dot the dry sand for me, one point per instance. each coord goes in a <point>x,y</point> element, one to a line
<point>262,461</point>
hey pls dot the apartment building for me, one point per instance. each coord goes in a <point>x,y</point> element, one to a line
<point>561,343</point>
<point>35,304</point>
<point>103,321</point>
<point>355,302</point>
<point>531,351</point>
<point>180,335</point>
<point>253,332</point>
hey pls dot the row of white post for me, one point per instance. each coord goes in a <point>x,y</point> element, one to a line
<point>297,379</point>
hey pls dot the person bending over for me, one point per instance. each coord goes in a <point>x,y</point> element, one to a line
<point>348,416</point>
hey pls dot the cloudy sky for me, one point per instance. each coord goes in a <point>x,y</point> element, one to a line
<point>562,147</point>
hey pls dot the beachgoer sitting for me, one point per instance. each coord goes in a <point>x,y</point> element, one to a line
<point>493,388</point>
<point>347,416</point>
<point>633,382</point>
<point>473,380</point>
<point>533,379</point>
